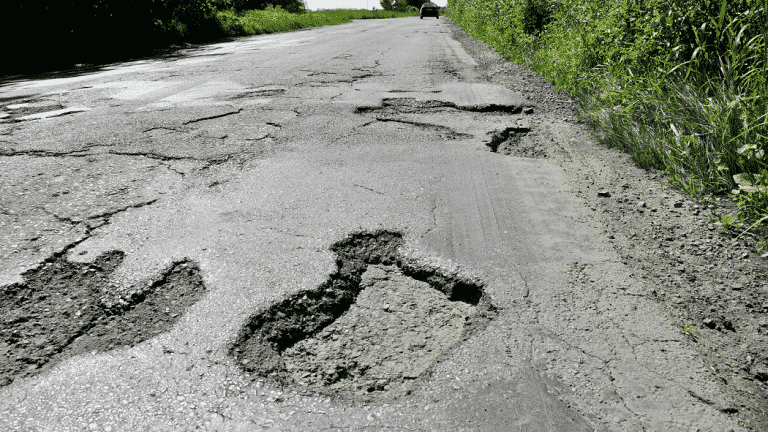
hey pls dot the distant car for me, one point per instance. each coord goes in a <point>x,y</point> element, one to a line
<point>429,9</point>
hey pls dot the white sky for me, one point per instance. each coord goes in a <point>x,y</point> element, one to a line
<point>353,4</point>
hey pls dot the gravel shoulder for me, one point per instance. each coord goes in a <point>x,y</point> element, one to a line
<point>709,281</point>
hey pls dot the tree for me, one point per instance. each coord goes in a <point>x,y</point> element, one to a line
<point>395,5</point>
<point>416,3</point>
<point>293,6</point>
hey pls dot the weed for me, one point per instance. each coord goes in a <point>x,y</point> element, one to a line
<point>688,332</point>
<point>728,222</point>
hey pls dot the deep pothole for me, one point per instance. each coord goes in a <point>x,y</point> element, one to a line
<point>372,331</point>
<point>58,312</point>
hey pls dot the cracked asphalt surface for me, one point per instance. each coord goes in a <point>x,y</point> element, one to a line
<point>250,159</point>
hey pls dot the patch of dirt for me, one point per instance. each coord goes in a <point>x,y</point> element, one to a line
<point>712,281</point>
<point>58,312</point>
<point>376,326</point>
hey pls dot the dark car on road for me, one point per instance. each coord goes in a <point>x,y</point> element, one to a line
<point>429,9</point>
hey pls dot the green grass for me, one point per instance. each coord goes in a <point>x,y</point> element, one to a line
<point>273,20</point>
<point>680,85</point>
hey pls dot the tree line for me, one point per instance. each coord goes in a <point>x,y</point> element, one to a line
<point>58,33</point>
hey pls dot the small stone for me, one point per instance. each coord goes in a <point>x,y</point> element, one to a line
<point>728,325</point>
<point>641,204</point>
<point>709,322</point>
<point>527,110</point>
<point>678,204</point>
<point>604,194</point>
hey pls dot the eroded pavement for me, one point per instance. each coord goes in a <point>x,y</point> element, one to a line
<point>296,184</point>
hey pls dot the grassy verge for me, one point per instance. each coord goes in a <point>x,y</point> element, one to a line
<point>680,85</point>
<point>272,20</point>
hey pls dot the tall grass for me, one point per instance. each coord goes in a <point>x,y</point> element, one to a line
<point>272,20</point>
<point>681,85</point>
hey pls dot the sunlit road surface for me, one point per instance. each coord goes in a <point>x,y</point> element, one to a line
<point>251,158</point>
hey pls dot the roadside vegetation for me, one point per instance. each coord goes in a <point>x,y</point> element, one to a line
<point>276,19</point>
<point>681,85</point>
<point>51,34</point>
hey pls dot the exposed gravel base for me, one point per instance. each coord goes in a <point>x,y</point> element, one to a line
<point>395,331</point>
<point>707,279</point>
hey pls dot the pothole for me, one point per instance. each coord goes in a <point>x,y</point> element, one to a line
<point>371,331</point>
<point>259,93</point>
<point>21,109</point>
<point>415,106</point>
<point>57,313</point>
<point>407,106</point>
<point>511,141</point>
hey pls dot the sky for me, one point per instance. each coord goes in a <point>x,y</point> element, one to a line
<point>353,4</point>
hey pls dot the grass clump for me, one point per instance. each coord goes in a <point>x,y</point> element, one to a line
<point>680,85</point>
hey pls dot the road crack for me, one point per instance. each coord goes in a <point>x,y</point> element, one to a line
<point>442,131</point>
<point>226,114</point>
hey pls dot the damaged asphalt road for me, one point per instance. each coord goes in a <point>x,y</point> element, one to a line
<point>377,225</point>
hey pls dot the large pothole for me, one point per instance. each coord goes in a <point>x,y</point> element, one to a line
<point>374,329</point>
<point>58,312</point>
